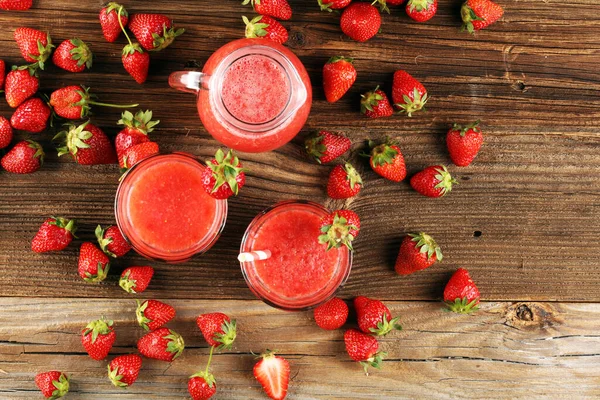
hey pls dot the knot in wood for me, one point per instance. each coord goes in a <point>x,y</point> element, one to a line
<point>531,316</point>
<point>296,39</point>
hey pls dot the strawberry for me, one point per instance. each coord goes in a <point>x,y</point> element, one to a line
<point>417,251</point>
<point>386,160</point>
<point>109,21</point>
<point>330,5</point>
<point>218,329</point>
<point>24,158</point>
<point>6,133</point>
<point>344,182</point>
<point>202,385</point>
<point>339,228</point>
<point>374,317</point>
<point>74,102</point>
<point>87,143</point>
<point>273,373</point>
<point>98,338</point>
<point>360,21</point>
<point>31,116</point>
<point>383,4</point>
<point>55,234</point>
<point>136,62</point>
<point>136,130</point>
<point>326,146</point>
<point>2,73</point>
<point>375,104</point>
<point>21,83</point>
<point>124,370</point>
<point>421,10</point>
<point>137,153</point>
<point>461,294</point>
<point>73,55</point>
<point>93,264</point>
<point>35,46</point>
<point>464,143</point>
<point>338,77</point>
<point>111,241</point>
<point>433,181</point>
<point>265,27</point>
<point>154,31</point>
<point>15,5</point>
<point>224,175</point>
<point>363,348</point>
<point>279,9</point>
<point>332,314</point>
<point>479,14</point>
<point>408,94</point>
<point>161,344</point>
<point>136,279</point>
<point>53,384</point>
<point>153,314</point>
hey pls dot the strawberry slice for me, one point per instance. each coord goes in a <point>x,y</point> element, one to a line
<point>273,373</point>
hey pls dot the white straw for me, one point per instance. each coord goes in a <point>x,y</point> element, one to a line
<point>254,255</point>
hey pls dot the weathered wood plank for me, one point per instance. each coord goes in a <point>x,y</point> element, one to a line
<point>508,350</point>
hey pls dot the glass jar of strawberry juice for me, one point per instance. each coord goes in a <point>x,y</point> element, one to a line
<point>299,273</point>
<point>163,210</point>
<point>253,95</point>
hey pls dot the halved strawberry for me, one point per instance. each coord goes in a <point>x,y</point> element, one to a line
<point>273,373</point>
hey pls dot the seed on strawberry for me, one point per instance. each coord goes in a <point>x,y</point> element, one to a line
<point>31,116</point>
<point>137,153</point>
<point>6,133</point>
<point>35,46</point>
<point>73,55</point>
<point>344,182</point>
<point>137,128</point>
<point>24,158</point>
<point>363,348</point>
<point>154,31</point>
<point>408,94</point>
<point>278,9</point>
<point>136,279</point>
<point>479,14</point>
<point>464,143</point>
<point>417,251</point>
<point>53,384</point>
<point>360,21</point>
<point>75,101</point>
<point>98,338</point>
<point>374,317</point>
<point>375,104</point>
<point>273,374</point>
<point>111,241</point>
<point>109,21</point>
<point>21,83</point>
<point>421,10</point>
<point>218,329</point>
<point>202,385</point>
<point>224,175</point>
<point>263,26</point>
<point>87,144</point>
<point>338,77</point>
<point>55,234</point>
<point>461,294</point>
<point>386,160</point>
<point>93,264</point>
<point>15,5</point>
<point>434,181</point>
<point>339,228</point>
<point>124,370</point>
<point>162,344</point>
<point>332,314</point>
<point>153,314</point>
<point>326,146</point>
<point>330,5</point>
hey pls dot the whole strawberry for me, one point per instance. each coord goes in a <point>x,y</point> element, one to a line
<point>55,234</point>
<point>6,133</point>
<point>344,182</point>
<point>93,264</point>
<point>408,94</point>
<point>137,153</point>
<point>374,317</point>
<point>461,294</point>
<point>263,26</point>
<point>202,386</point>
<point>218,329</point>
<point>375,104</point>
<point>339,75</point>
<point>360,21</point>
<point>73,55</point>
<point>136,279</point>
<point>417,251</point>
<point>154,31</point>
<point>224,175</point>
<point>36,46</point>
<point>330,5</point>
<point>339,228</point>
<point>24,158</point>
<point>87,144</point>
<point>332,314</point>
<point>161,344</point>
<point>111,241</point>
<point>135,131</point>
<point>21,83</point>
<point>326,146</point>
<point>153,314</point>
<point>279,9</point>
<point>31,116</point>
<point>75,101</point>
<point>98,338</point>
<point>124,370</point>
<point>464,143</point>
<point>109,21</point>
<point>383,4</point>
<point>386,160</point>
<point>136,62</point>
<point>479,14</point>
<point>53,384</point>
<point>2,73</point>
<point>433,181</point>
<point>421,10</point>
<point>273,374</point>
<point>15,5</point>
<point>363,348</point>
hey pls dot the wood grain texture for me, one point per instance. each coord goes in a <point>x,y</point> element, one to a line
<point>532,193</point>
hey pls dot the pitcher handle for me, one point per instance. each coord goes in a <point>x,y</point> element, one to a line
<point>189,81</point>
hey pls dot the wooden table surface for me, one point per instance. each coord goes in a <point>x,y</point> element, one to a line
<point>524,219</point>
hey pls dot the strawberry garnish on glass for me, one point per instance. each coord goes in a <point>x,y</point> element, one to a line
<point>339,228</point>
<point>461,294</point>
<point>224,175</point>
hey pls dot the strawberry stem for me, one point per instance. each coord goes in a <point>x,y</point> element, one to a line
<point>121,25</point>
<point>112,105</point>
<point>212,348</point>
